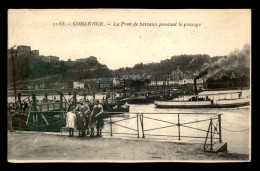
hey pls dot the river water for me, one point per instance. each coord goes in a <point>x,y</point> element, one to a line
<point>232,119</point>
<point>235,123</point>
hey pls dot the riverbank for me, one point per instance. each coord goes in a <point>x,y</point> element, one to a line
<point>40,146</point>
<point>10,92</point>
<point>49,91</point>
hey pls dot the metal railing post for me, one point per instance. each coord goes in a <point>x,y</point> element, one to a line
<point>74,99</point>
<point>61,101</point>
<point>143,124</point>
<point>110,125</point>
<point>61,118</point>
<point>206,138</point>
<point>34,102</point>
<point>46,96</point>
<point>37,122</point>
<point>219,124</point>
<point>41,122</point>
<point>137,125</point>
<point>19,98</point>
<point>179,131</point>
<point>211,140</point>
<point>19,119</point>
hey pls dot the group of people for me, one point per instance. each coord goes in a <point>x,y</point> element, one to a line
<point>83,118</point>
<point>12,109</point>
<point>22,106</point>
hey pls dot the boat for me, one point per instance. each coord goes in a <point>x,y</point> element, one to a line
<point>115,111</point>
<point>116,108</point>
<point>203,100</point>
<point>224,103</point>
<point>142,98</point>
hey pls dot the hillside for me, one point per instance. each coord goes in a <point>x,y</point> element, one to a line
<point>29,68</point>
<point>231,69</point>
<point>190,65</point>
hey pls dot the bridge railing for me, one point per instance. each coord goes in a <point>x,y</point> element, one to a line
<point>140,127</point>
<point>42,121</point>
<point>212,134</point>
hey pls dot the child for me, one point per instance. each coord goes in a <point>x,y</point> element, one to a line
<point>70,120</point>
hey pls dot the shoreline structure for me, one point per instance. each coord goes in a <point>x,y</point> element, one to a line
<point>10,93</point>
<point>188,150</point>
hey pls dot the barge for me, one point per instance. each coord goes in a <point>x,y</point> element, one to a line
<point>203,100</point>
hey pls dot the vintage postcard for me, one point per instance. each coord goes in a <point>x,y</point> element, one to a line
<point>129,85</point>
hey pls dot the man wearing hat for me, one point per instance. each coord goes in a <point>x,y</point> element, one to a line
<point>97,118</point>
<point>70,121</point>
<point>85,110</point>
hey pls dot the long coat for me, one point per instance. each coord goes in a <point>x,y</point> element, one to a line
<point>81,123</point>
<point>97,121</point>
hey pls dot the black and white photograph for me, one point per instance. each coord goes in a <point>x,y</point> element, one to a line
<point>128,85</point>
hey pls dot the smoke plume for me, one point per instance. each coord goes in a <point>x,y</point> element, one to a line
<point>235,60</point>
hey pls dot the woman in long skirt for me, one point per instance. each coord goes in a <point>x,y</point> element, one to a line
<point>97,119</point>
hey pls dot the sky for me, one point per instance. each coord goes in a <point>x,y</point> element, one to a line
<point>116,44</point>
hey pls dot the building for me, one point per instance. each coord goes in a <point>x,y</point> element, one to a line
<point>179,82</point>
<point>78,85</point>
<point>135,76</point>
<point>89,59</point>
<point>36,85</point>
<point>156,83</point>
<point>82,60</point>
<point>102,83</point>
<point>22,48</point>
<point>105,82</point>
<point>35,53</point>
<point>115,82</point>
<point>177,74</point>
<point>53,59</point>
<point>59,85</point>
<point>50,59</point>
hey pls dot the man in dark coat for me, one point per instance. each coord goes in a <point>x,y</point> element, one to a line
<point>81,125</point>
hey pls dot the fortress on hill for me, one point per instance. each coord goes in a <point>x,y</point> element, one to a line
<point>23,50</point>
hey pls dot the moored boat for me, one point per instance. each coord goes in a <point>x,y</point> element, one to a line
<point>203,101</point>
<point>219,100</point>
<point>182,104</point>
<point>232,102</point>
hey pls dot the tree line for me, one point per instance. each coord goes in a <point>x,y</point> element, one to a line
<point>30,67</point>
